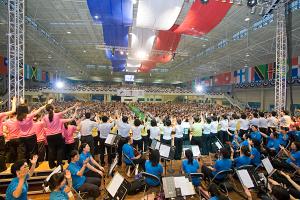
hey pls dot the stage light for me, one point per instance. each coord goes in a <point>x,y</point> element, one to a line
<point>121,52</point>
<point>60,84</point>
<point>247,19</point>
<point>199,88</point>
<point>251,3</point>
<point>141,54</point>
<point>96,17</point>
<point>69,32</point>
<point>204,1</point>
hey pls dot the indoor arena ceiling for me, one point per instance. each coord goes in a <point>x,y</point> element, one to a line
<point>75,52</point>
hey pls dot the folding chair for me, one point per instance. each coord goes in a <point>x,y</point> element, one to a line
<point>128,166</point>
<point>222,183</point>
<point>153,177</point>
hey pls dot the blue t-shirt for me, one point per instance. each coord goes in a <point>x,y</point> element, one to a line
<point>220,165</point>
<point>76,180</point>
<point>61,195</point>
<point>214,198</point>
<point>256,159</point>
<point>235,145</point>
<point>82,158</point>
<point>128,150</point>
<point>273,143</point>
<point>157,171</point>
<point>242,160</point>
<point>295,155</point>
<point>284,138</point>
<point>188,168</point>
<point>244,143</point>
<point>13,186</point>
<point>255,136</point>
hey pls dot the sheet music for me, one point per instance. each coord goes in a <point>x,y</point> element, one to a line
<point>268,165</point>
<point>115,184</point>
<point>185,185</point>
<point>245,178</point>
<point>218,145</point>
<point>164,150</point>
<point>196,151</point>
<point>109,139</point>
<point>157,145</point>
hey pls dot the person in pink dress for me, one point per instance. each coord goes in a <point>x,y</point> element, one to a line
<point>3,116</point>
<point>68,130</point>
<point>54,135</point>
<point>27,135</point>
<point>39,129</point>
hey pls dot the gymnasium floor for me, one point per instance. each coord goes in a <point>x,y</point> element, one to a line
<point>176,167</point>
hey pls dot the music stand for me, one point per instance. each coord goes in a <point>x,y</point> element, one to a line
<point>112,140</point>
<point>118,187</point>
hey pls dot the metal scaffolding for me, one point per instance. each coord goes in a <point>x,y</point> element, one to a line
<point>281,59</point>
<point>16,26</point>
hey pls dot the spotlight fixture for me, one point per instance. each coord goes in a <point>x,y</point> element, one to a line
<point>69,32</point>
<point>173,56</point>
<point>253,9</point>
<point>204,1</point>
<point>121,52</point>
<point>251,3</point>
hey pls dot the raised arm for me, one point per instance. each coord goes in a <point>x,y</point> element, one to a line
<point>33,163</point>
<point>13,107</point>
<point>81,171</point>
<point>68,109</point>
<point>41,108</point>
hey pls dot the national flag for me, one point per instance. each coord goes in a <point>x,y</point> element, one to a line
<point>34,73</point>
<point>271,71</point>
<point>295,71</point>
<point>260,72</point>
<point>222,79</point>
<point>39,74</point>
<point>47,77</point>
<point>242,75</point>
<point>43,76</point>
<point>207,81</point>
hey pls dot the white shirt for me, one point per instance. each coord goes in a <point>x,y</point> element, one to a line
<point>186,125</point>
<point>263,122</point>
<point>178,131</point>
<point>86,127</point>
<point>136,132</point>
<point>232,125</point>
<point>224,124</point>
<point>123,129</point>
<point>285,121</point>
<point>254,121</point>
<point>104,129</point>
<point>167,131</point>
<point>214,127</point>
<point>206,129</point>
<point>244,124</point>
<point>154,132</point>
<point>272,121</point>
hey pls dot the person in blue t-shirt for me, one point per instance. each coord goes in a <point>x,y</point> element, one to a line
<point>215,193</point>
<point>58,187</point>
<point>152,166</point>
<point>93,168</point>
<point>255,134</point>
<point>80,182</point>
<point>245,142</point>
<point>191,165</point>
<point>128,150</point>
<point>283,136</point>
<point>273,143</point>
<point>223,164</point>
<point>18,187</point>
<point>254,146</point>
<point>244,158</point>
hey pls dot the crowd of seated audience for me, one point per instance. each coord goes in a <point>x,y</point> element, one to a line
<point>77,132</point>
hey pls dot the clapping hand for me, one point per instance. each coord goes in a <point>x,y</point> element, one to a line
<point>34,159</point>
<point>50,101</point>
<point>68,174</point>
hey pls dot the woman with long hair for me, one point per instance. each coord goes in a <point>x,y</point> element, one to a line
<point>190,165</point>
<point>53,128</point>
<point>152,166</point>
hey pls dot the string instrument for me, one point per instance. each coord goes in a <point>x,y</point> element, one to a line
<point>136,152</point>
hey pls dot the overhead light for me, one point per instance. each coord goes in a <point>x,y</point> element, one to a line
<point>84,51</point>
<point>247,19</point>
<point>199,88</point>
<point>134,1</point>
<point>69,32</point>
<point>203,45</point>
<point>49,56</point>
<point>141,54</point>
<point>247,55</point>
<point>251,3</point>
<point>59,84</point>
<point>96,17</point>
<point>122,52</point>
<point>253,10</point>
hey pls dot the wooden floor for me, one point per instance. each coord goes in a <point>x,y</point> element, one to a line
<point>121,170</point>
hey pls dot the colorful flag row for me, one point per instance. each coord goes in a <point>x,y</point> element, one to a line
<point>248,75</point>
<point>36,74</point>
